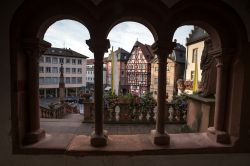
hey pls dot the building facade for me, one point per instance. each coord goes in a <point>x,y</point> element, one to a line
<point>195,46</point>
<point>175,71</point>
<point>90,76</point>
<point>74,66</point>
<point>139,68</point>
<point>119,71</point>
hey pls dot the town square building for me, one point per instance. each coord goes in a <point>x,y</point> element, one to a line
<point>74,66</point>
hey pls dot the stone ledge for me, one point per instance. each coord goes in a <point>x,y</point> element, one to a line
<point>201,99</point>
<point>141,144</point>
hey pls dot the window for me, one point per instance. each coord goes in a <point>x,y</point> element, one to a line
<point>67,80</point>
<point>73,70</point>
<point>48,59</point>
<point>41,59</point>
<point>73,61</point>
<point>194,55</point>
<point>48,70</point>
<point>67,70</point>
<point>79,70</point>
<point>47,80</point>
<point>54,80</point>
<point>54,69</point>
<point>41,69</point>
<point>67,60</point>
<point>79,80</point>
<point>61,60</point>
<point>41,80</point>
<point>54,60</point>
<point>192,75</point>
<point>73,80</point>
<point>156,68</point>
<point>79,61</point>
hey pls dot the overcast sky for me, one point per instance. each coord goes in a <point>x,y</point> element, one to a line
<point>72,34</point>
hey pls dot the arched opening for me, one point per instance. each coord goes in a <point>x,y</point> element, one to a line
<point>63,76</point>
<point>26,42</point>
<point>196,75</point>
<point>208,75</point>
<point>128,76</point>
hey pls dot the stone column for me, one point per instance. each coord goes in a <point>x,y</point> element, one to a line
<point>218,131</point>
<point>162,50</point>
<point>33,48</point>
<point>98,47</point>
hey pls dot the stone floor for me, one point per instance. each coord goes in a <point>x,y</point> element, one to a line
<point>72,124</point>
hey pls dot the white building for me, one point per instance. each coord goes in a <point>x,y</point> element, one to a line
<point>74,65</point>
<point>195,46</point>
<point>90,74</point>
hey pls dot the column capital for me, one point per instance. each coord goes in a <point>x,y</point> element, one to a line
<point>98,45</point>
<point>163,48</point>
<point>222,56</point>
<point>35,47</point>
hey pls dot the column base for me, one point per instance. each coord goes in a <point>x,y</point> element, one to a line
<point>218,136</point>
<point>159,139</point>
<point>33,137</point>
<point>99,140</point>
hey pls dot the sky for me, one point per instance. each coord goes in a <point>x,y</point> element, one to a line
<point>72,34</point>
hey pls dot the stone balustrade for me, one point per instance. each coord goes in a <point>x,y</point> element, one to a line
<point>122,113</point>
<point>57,111</point>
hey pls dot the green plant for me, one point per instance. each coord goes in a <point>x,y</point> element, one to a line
<point>110,99</point>
<point>147,102</point>
<point>180,102</point>
<point>134,102</point>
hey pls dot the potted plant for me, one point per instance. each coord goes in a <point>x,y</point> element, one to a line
<point>134,101</point>
<point>148,103</point>
<point>180,106</point>
<point>110,101</point>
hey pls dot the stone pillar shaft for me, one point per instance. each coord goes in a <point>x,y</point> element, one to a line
<point>161,98</point>
<point>33,49</point>
<point>162,49</point>
<point>218,132</point>
<point>33,92</point>
<point>221,90</point>
<point>98,46</point>
<point>98,93</point>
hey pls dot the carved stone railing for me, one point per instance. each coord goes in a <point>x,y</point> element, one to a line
<point>57,111</point>
<point>121,113</point>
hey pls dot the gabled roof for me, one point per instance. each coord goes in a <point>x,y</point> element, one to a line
<point>64,52</point>
<point>197,35</point>
<point>146,50</point>
<point>178,54</point>
<point>122,55</point>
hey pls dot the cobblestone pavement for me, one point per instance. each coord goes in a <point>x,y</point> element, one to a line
<point>72,123</point>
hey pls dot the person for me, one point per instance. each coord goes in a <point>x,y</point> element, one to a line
<point>208,74</point>
<point>180,86</point>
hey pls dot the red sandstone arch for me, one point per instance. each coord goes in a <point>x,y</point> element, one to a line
<point>34,17</point>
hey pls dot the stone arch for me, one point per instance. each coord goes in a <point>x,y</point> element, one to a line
<point>218,19</point>
<point>36,25</point>
<point>28,26</point>
<point>144,12</point>
<point>149,26</point>
<point>227,32</point>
